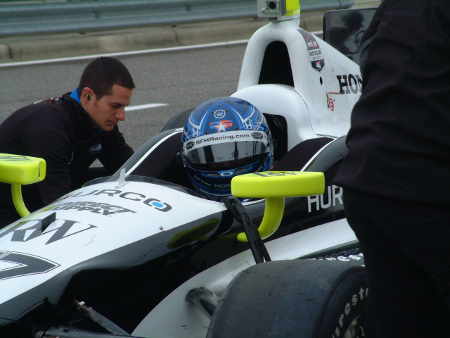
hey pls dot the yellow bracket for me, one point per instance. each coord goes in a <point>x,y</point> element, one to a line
<point>292,7</point>
<point>274,186</point>
<point>19,170</point>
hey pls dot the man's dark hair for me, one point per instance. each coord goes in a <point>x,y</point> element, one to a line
<point>101,74</point>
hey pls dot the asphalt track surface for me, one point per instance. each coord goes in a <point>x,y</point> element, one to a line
<point>180,79</point>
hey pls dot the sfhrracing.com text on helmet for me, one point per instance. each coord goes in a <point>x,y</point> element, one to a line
<point>221,138</point>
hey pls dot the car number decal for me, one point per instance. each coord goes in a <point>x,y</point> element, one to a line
<point>16,264</point>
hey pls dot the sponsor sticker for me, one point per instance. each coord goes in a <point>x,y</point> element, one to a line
<point>331,104</point>
<point>95,149</point>
<point>315,54</point>
<point>128,195</point>
<point>227,173</point>
<point>189,145</point>
<point>232,136</point>
<point>258,135</point>
<point>94,207</point>
<point>350,83</point>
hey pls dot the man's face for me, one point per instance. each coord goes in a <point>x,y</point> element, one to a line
<point>110,109</point>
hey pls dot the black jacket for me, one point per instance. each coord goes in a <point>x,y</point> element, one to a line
<point>60,131</point>
<point>399,141</point>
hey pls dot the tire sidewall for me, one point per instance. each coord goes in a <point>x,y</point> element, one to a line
<point>347,302</point>
<point>299,298</point>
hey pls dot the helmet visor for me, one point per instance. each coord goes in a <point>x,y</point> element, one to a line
<point>225,147</point>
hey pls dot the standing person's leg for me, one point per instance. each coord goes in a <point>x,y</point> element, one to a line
<point>404,298</point>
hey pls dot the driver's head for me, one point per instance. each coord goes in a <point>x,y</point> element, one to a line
<point>223,138</point>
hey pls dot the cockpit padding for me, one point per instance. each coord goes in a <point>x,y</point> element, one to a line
<point>297,157</point>
<point>162,163</point>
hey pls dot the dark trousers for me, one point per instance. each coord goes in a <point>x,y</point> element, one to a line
<point>406,247</point>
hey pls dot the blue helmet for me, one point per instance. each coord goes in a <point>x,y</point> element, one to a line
<point>223,138</point>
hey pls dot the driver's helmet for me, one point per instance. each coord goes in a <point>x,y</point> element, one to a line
<point>223,138</point>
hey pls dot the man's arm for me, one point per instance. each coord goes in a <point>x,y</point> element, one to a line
<point>115,150</point>
<point>53,144</point>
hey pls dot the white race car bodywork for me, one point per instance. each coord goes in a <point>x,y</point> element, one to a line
<point>97,219</point>
<point>90,222</point>
<point>100,225</point>
<point>322,98</point>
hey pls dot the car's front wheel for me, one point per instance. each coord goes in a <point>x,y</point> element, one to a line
<point>298,298</point>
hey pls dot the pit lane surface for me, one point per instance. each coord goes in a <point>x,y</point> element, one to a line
<point>181,79</point>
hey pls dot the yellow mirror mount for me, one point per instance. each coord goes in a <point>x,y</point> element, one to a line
<point>19,170</point>
<point>273,214</point>
<point>16,191</point>
<point>274,186</point>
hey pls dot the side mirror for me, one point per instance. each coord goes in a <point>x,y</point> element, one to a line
<point>343,29</point>
<point>274,186</point>
<point>19,170</point>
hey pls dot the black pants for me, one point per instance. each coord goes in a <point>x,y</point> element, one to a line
<point>406,248</point>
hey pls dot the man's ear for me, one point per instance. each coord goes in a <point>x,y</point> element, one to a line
<point>86,95</point>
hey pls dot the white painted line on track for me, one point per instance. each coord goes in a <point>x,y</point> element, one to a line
<point>146,106</point>
<point>137,52</point>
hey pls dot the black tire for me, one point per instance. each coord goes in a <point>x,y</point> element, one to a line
<point>298,298</point>
<point>178,121</point>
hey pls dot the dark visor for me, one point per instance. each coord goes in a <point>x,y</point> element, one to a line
<point>224,152</point>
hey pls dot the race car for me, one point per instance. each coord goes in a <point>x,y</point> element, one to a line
<point>141,254</point>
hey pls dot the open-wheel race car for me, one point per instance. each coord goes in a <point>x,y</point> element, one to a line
<point>141,254</point>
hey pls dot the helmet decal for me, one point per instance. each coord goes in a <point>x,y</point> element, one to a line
<point>219,114</point>
<point>221,126</point>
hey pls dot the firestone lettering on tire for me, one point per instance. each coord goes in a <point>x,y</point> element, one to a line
<point>343,256</point>
<point>356,298</point>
